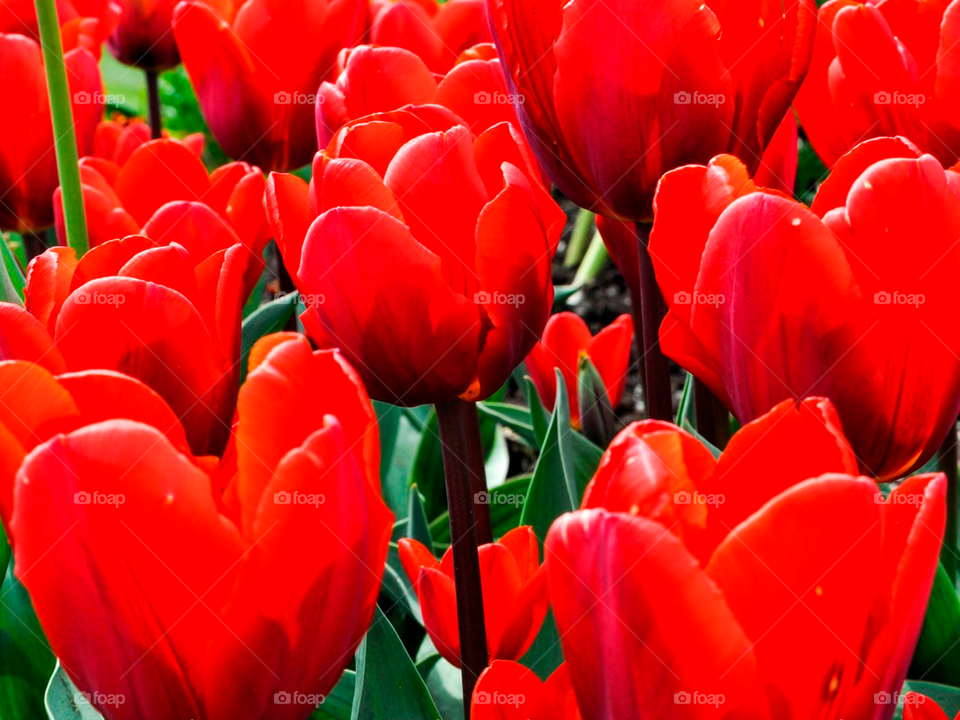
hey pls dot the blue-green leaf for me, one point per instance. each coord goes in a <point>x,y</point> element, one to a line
<point>269,318</point>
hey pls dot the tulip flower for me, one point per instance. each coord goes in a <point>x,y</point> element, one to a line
<point>380,79</point>
<point>422,252</point>
<point>189,605</point>
<point>435,32</point>
<point>770,300</point>
<point>28,164</point>
<point>256,78</point>
<point>132,185</point>
<point>144,37</point>
<point>879,69</point>
<point>508,691</point>
<point>166,312</point>
<point>804,597</point>
<point>676,83</point>
<point>514,594</point>
<point>565,340</point>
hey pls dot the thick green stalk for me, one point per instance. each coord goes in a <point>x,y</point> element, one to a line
<point>61,111</point>
<point>593,262</point>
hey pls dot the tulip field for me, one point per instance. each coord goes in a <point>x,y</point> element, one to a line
<point>479,360</point>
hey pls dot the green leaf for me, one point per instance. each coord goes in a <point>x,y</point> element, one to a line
<point>338,704</point>
<point>417,526</point>
<point>686,411</point>
<point>397,585</point>
<point>567,462</point>
<point>64,702</point>
<point>26,661</point>
<point>539,417</point>
<point>427,469</point>
<point>506,504</point>
<point>515,417</point>
<point>12,281</point>
<point>545,654</point>
<point>946,697</point>
<point>253,302</point>
<point>399,439</point>
<point>388,684</point>
<point>269,318</point>
<point>4,554</point>
<point>597,418</point>
<point>497,463</point>
<point>937,657</point>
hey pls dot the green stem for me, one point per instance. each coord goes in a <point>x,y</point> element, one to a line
<point>578,238</point>
<point>593,262</point>
<point>61,112</point>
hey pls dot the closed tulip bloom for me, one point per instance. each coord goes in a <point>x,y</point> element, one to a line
<point>28,164</point>
<point>256,78</point>
<point>166,312</point>
<point>676,83</point>
<point>132,184</point>
<point>884,68</point>
<point>436,32</point>
<point>191,604</point>
<point>565,340</point>
<point>514,594</point>
<point>144,36</point>
<point>508,691</point>
<point>421,251</point>
<point>804,598</point>
<point>769,299</point>
<point>380,79</point>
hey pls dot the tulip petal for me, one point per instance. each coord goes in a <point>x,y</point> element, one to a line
<point>789,573</point>
<point>610,353</point>
<point>107,259</point>
<point>22,337</point>
<point>124,514</point>
<point>640,621</point>
<point>171,171</point>
<point>566,335</point>
<point>288,208</point>
<point>438,602</point>
<point>397,292</point>
<point>48,284</point>
<point>505,679</point>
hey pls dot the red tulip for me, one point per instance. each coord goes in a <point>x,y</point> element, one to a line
<point>777,171</point>
<point>675,83</point>
<point>173,597</point>
<point>422,252</point>
<point>435,32</point>
<point>770,300</point>
<point>508,691</point>
<point>28,164</point>
<point>165,312</point>
<point>739,587</point>
<point>920,707</point>
<point>380,79</point>
<point>132,184</point>
<point>565,340</point>
<point>257,77</point>
<point>884,68</point>
<point>514,594</point>
<point>83,23</point>
<point>144,37</point>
